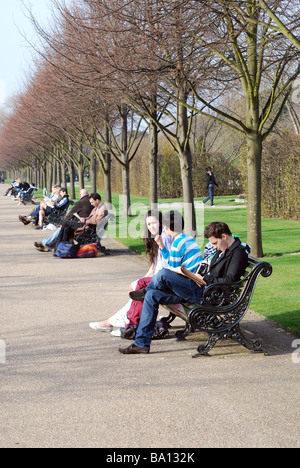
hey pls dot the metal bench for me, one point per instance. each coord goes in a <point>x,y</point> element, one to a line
<point>221,311</point>
<point>94,234</point>
<point>58,215</point>
<point>27,197</point>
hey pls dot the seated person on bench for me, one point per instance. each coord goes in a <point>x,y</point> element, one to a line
<point>23,187</point>
<point>82,209</point>
<point>71,228</point>
<point>34,216</point>
<point>168,287</point>
<point>15,188</point>
<point>48,207</point>
<point>130,314</point>
<point>23,192</point>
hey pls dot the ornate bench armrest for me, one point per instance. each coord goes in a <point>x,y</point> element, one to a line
<point>222,294</point>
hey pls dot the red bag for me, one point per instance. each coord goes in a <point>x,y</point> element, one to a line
<point>87,251</point>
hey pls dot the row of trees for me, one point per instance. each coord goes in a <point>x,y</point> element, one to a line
<point>107,73</point>
<point>229,177</point>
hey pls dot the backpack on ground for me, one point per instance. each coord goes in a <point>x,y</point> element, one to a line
<point>66,250</point>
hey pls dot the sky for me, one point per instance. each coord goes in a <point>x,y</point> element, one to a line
<point>15,53</point>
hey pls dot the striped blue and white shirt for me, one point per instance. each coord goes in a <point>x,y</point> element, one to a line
<point>185,252</point>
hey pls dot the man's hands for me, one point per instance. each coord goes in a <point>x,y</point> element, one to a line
<point>201,279</point>
<point>159,241</point>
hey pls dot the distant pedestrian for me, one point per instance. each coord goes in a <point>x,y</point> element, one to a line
<point>211,182</point>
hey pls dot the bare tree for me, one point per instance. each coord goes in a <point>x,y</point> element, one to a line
<point>285,16</point>
<point>243,50</point>
<point>142,45</point>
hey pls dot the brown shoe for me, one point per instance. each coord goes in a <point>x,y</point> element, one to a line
<point>132,349</point>
<point>138,295</point>
<point>41,247</point>
<point>24,220</point>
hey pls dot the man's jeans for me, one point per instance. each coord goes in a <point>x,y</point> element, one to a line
<point>51,242</point>
<point>35,213</point>
<point>166,288</point>
<point>211,191</point>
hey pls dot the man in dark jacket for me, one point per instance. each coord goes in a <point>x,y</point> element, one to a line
<point>71,229</point>
<point>167,287</point>
<point>82,208</point>
<point>230,260</point>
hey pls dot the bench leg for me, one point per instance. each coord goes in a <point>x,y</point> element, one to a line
<point>253,345</point>
<point>236,334</point>
<point>203,350</point>
<point>182,334</point>
<point>102,249</point>
<point>169,319</point>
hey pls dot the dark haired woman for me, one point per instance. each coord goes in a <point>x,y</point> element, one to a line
<point>130,313</point>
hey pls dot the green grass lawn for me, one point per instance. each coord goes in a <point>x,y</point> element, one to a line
<point>276,297</point>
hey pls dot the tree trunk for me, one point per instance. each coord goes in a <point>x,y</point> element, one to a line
<point>294,117</point>
<point>125,165</point>
<point>153,152</point>
<point>185,157</point>
<point>63,173</point>
<point>153,164</point>
<point>254,158</point>
<point>72,179</point>
<point>107,180</point>
<point>188,193</point>
<point>44,176</point>
<point>126,187</point>
<point>93,175</point>
<point>58,174</point>
<point>254,139</point>
<point>50,178</point>
<point>80,169</point>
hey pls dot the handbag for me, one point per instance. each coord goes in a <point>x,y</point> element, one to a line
<point>160,332</point>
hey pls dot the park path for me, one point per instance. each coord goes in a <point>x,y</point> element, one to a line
<point>64,385</point>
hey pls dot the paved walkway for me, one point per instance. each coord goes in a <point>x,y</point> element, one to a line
<point>199,205</point>
<point>64,385</point>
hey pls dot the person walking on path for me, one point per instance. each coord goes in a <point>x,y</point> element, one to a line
<point>211,182</point>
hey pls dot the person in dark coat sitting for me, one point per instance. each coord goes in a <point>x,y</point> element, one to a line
<point>70,229</point>
<point>81,209</point>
